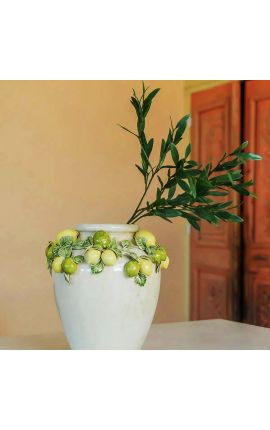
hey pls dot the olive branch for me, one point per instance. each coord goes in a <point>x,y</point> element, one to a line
<point>190,188</point>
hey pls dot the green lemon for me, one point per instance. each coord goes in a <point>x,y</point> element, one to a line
<point>102,238</point>
<point>146,266</point>
<point>108,257</point>
<point>92,256</point>
<point>68,266</point>
<point>149,238</point>
<point>49,251</point>
<point>159,255</point>
<point>68,232</point>
<point>57,264</point>
<point>132,268</point>
<point>165,264</point>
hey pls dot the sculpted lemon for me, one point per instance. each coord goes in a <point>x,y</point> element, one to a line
<point>108,257</point>
<point>165,264</point>
<point>67,233</point>
<point>69,266</point>
<point>92,256</point>
<point>146,267</point>
<point>149,238</point>
<point>57,264</point>
<point>102,238</point>
<point>132,268</point>
<point>49,251</point>
<point>159,255</point>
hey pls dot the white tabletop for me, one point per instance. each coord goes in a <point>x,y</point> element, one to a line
<point>208,334</point>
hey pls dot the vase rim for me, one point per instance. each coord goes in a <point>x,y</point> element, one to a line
<point>128,228</point>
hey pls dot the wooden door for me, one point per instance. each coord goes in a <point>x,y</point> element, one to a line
<point>257,212</point>
<point>215,250</point>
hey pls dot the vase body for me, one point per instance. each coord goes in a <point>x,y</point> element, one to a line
<point>106,310</point>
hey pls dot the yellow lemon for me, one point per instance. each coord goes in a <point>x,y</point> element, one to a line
<point>146,266</point>
<point>92,256</point>
<point>108,257</point>
<point>165,264</point>
<point>68,232</point>
<point>49,251</point>
<point>149,238</point>
<point>57,264</point>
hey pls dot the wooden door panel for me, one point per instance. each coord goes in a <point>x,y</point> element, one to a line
<point>257,211</point>
<point>212,289</point>
<point>215,250</point>
<point>258,300</point>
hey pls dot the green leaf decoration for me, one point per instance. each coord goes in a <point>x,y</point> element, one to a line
<point>78,259</point>
<point>140,279</point>
<point>97,268</point>
<point>78,245</point>
<point>66,240</point>
<point>67,278</point>
<point>65,251</point>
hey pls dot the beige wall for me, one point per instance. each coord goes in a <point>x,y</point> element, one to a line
<point>64,161</point>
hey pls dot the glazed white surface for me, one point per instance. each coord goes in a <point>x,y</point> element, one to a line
<point>107,310</point>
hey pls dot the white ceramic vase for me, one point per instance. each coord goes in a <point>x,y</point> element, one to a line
<point>107,310</point>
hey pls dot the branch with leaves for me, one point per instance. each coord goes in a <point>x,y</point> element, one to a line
<point>190,188</point>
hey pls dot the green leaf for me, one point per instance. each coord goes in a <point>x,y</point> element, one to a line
<point>249,156</point>
<point>205,214</point>
<point>137,107</point>
<point>181,126</point>
<point>162,152</point>
<point>181,199</point>
<point>149,147</point>
<point>140,279</point>
<point>183,185</point>
<point>97,268</point>
<point>240,148</point>
<point>171,192</point>
<point>145,161</point>
<point>65,251</point>
<point>194,224</point>
<point>169,213</point>
<point>188,150</point>
<point>66,240</point>
<point>217,193</point>
<point>160,215</point>
<point>174,152</point>
<point>192,186</point>
<point>191,163</point>
<point>126,129</point>
<point>148,101</point>
<point>78,259</point>
<point>67,278</point>
<point>227,216</point>
<point>140,169</point>
<point>160,181</point>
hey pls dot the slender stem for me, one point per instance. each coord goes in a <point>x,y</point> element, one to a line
<point>135,213</point>
<point>140,217</point>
